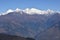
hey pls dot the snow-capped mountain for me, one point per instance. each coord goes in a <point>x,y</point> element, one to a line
<point>30,23</point>
<point>31,11</point>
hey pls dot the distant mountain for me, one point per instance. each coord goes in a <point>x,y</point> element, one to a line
<point>31,11</point>
<point>36,25</point>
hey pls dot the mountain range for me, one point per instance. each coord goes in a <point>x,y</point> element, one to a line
<point>33,23</point>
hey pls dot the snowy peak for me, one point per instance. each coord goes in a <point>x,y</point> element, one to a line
<point>37,11</point>
<point>10,10</point>
<point>31,11</point>
<point>18,10</point>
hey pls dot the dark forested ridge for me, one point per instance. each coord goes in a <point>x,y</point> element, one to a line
<point>13,37</point>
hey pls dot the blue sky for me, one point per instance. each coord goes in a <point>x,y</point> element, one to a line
<point>39,4</point>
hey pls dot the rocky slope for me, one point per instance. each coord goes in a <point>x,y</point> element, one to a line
<point>38,26</point>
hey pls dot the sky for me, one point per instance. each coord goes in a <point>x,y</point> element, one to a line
<point>23,4</point>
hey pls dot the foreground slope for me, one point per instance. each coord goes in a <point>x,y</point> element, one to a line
<point>13,37</point>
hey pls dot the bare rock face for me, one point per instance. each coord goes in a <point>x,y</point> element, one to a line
<point>52,33</point>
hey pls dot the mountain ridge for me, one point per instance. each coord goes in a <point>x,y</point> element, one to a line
<point>31,11</point>
<point>26,25</point>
